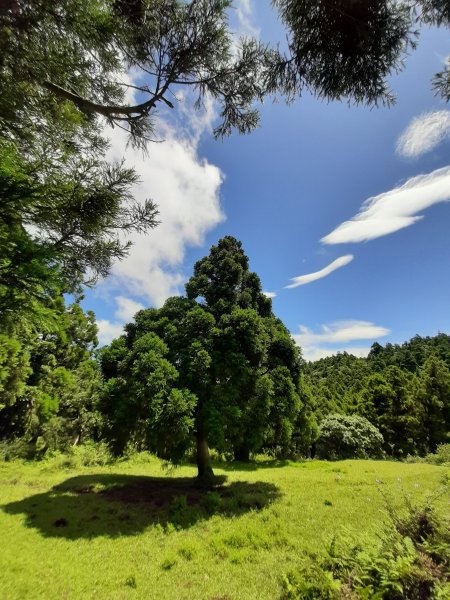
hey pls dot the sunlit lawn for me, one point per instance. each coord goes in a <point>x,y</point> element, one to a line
<point>132,530</point>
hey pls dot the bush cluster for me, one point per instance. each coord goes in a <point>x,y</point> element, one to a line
<point>342,436</point>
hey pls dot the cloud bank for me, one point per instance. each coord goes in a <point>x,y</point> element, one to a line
<point>336,264</point>
<point>186,188</point>
<point>394,210</point>
<point>338,337</point>
<point>424,133</point>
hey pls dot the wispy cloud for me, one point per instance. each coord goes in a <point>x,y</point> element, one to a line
<point>336,264</point>
<point>394,210</point>
<point>244,12</point>
<point>338,337</point>
<point>424,133</point>
<point>270,294</point>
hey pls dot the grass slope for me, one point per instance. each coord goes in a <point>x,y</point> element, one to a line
<point>132,531</point>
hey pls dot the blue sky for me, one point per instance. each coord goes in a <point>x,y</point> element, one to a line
<point>286,190</point>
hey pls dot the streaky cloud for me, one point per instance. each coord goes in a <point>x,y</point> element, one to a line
<point>338,336</point>
<point>310,277</point>
<point>393,210</point>
<point>424,133</point>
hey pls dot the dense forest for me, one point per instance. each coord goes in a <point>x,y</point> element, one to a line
<point>403,390</point>
<point>216,369</point>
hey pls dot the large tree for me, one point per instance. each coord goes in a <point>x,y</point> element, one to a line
<point>49,382</point>
<point>224,366</point>
<point>81,51</point>
<point>62,216</point>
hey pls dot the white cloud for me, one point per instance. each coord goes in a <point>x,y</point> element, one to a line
<point>270,294</point>
<point>424,133</point>
<point>312,354</point>
<point>127,308</point>
<point>336,264</point>
<point>124,313</point>
<point>394,210</point>
<point>186,188</point>
<point>244,12</point>
<point>336,337</point>
<point>108,331</point>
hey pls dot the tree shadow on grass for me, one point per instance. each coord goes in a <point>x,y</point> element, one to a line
<point>114,505</point>
<point>251,465</point>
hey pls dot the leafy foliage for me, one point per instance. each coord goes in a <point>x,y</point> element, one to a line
<point>348,49</point>
<point>49,391</point>
<point>403,390</point>
<point>343,436</point>
<point>215,367</point>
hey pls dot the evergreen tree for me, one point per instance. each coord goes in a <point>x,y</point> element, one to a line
<point>231,365</point>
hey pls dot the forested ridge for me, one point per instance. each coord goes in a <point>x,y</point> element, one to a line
<point>402,389</point>
<point>220,372</point>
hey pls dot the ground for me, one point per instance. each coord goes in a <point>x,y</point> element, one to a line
<point>134,530</point>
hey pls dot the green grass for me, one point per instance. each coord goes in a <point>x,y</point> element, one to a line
<point>131,530</point>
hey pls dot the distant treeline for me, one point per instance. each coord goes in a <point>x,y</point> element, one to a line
<point>404,390</point>
<point>214,368</point>
<point>57,390</point>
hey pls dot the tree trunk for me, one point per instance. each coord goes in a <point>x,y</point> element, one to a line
<point>242,453</point>
<point>205,472</point>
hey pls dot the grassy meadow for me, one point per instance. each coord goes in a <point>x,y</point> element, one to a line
<point>134,530</point>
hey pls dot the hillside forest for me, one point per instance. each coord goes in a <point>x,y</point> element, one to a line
<point>216,369</point>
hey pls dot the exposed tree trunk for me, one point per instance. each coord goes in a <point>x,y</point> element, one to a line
<point>205,472</point>
<point>242,453</point>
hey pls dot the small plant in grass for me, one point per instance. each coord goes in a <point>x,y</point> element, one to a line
<point>131,582</point>
<point>168,563</point>
<point>187,552</point>
<point>178,510</point>
<point>212,502</point>
<point>412,562</point>
<point>311,582</point>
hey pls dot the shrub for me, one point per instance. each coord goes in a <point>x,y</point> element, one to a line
<point>441,456</point>
<point>89,454</point>
<point>342,436</point>
<point>212,502</point>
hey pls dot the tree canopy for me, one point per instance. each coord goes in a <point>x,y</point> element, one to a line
<point>402,389</point>
<point>78,54</point>
<point>215,368</point>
